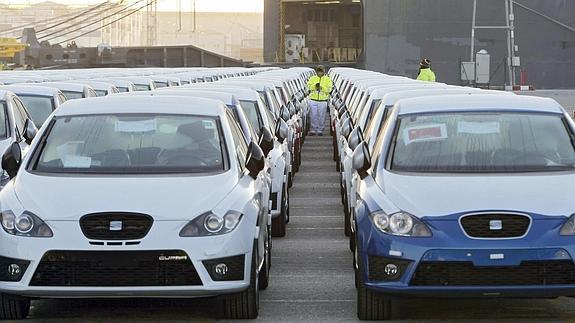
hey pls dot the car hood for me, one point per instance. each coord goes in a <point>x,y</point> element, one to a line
<point>167,198</point>
<point>432,196</point>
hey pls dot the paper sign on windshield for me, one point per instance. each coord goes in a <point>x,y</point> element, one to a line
<point>478,128</point>
<point>136,126</point>
<point>425,133</point>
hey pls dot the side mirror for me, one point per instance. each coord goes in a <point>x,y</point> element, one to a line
<point>292,109</point>
<point>266,141</point>
<point>361,161</point>
<point>345,127</point>
<point>282,130</point>
<point>355,138</point>
<point>255,160</point>
<point>30,131</point>
<point>12,159</point>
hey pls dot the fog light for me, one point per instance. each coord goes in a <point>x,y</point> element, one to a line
<point>391,270</point>
<point>14,269</point>
<point>221,269</point>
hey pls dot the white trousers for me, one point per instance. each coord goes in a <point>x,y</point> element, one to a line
<point>318,110</point>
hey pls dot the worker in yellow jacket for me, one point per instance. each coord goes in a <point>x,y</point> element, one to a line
<point>425,72</point>
<point>320,86</point>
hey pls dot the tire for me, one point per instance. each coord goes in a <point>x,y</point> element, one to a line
<point>371,305</point>
<point>244,305</point>
<point>279,223</point>
<point>346,221</point>
<point>352,241</point>
<point>290,179</point>
<point>14,307</point>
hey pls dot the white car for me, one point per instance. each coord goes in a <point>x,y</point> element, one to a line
<point>40,101</point>
<point>139,222</point>
<point>16,126</point>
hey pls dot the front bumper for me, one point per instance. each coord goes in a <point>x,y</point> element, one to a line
<point>539,265</point>
<point>69,238</point>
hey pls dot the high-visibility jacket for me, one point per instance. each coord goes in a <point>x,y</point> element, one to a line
<point>426,74</point>
<point>325,87</point>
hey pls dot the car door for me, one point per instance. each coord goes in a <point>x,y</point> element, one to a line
<point>261,185</point>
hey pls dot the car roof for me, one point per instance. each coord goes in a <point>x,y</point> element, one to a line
<point>225,97</point>
<point>65,86</point>
<point>142,104</point>
<point>465,102</point>
<point>391,98</point>
<point>20,89</point>
<point>241,92</point>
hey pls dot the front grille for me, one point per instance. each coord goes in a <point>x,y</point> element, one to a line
<point>462,273</point>
<point>495,225</point>
<point>377,266</point>
<point>116,226</point>
<point>115,269</point>
<point>235,266</point>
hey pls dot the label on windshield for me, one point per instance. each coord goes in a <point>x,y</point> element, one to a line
<point>76,162</point>
<point>136,126</point>
<point>425,133</point>
<point>478,128</point>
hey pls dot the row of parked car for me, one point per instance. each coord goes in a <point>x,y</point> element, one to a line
<point>452,191</point>
<point>171,184</point>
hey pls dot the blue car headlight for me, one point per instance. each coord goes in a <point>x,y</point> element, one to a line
<point>400,224</point>
<point>209,224</point>
<point>568,228</point>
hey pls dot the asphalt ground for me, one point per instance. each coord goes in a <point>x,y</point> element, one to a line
<point>311,275</point>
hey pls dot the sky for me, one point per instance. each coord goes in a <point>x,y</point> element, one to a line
<point>172,5</point>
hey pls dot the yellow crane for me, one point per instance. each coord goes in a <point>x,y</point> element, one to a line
<point>9,47</point>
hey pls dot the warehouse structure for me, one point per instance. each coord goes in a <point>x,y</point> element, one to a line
<point>391,36</point>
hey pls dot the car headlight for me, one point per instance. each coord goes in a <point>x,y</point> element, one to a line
<point>209,224</point>
<point>26,225</point>
<point>568,228</point>
<point>400,224</point>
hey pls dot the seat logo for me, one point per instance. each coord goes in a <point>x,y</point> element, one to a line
<point>172,258</point>
<point>495,225</point>
<point>115,225</point>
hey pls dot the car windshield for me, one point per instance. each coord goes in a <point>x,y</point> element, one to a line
<point>251,110</point>
<point>40,107</point>
<point>3,121</point>
<point>101,92</point>
<point>132,144</point>
<point>142,87</point>
<point>71,95</point>
<point>483,142</point>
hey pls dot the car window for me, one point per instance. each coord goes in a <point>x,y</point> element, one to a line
<point>122,89</point>
<point>101,92</point>
<point>72,95</point>
<point>132,144</point>
<point>19,117</point>
<point>142,87</point>
<point>160,84</point>
<point>253,115</point>
<point>482,142</point>
<point>3,120</point>
<point>92,93</point>
<point>40,107</point>
<point>239,141</point>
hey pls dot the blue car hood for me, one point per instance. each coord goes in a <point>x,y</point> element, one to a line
<point>439,195</point>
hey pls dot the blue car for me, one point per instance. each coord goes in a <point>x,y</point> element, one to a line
<point>465,196</point>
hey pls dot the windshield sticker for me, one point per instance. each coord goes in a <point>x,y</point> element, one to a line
<point>208,124</point>
<point>136,126</point>
<point>478,128</point>
<point>71,148</point>
<point>76,161</point>
<point>425,133</point>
